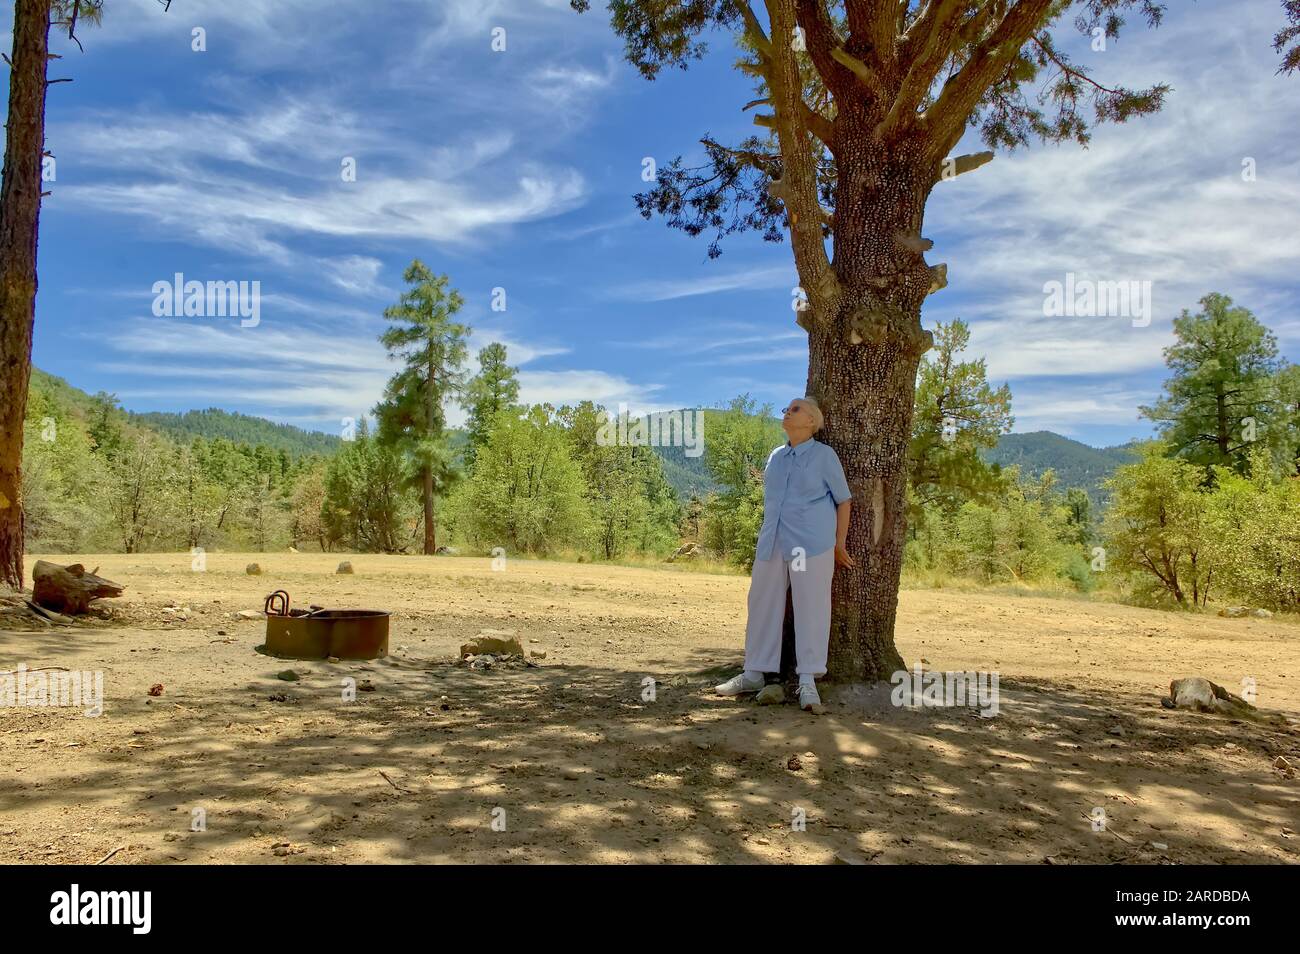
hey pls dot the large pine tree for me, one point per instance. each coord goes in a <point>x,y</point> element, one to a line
<point>861,104</point>
<point>20,213</point>
<point>431,346</point>
<point>1223,400</point>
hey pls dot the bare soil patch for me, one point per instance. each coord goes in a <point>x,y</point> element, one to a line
<point>580,767</point>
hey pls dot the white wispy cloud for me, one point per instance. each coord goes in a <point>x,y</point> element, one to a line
<point>710,282</point>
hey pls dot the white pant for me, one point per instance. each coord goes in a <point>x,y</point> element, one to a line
<point>811,594</point>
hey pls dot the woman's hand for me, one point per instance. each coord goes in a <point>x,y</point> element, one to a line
<point>842,557</point>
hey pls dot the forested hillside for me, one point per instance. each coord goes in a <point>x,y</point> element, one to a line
<point>1075,464</point>
<point>213,423</point>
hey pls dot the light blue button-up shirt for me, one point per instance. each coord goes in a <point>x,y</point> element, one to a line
<point>802,486</point>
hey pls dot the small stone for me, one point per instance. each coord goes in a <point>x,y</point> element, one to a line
<point>771,695</point>
<point>1116,730</point>
<point>332,659</point>
<point>1159,846</point>
<point>793,764</point>
<point>288,675</point>
<point>250,614</point>
<point>537,655</point>
<point>344,567</point>
<point>253,569</point>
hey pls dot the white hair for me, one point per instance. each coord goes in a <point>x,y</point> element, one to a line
<point>818,418</point>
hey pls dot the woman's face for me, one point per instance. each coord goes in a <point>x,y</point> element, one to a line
<point>797,420</point>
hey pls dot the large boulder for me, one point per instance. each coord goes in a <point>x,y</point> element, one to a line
<point>495,642</point>
<point>1201,695</point>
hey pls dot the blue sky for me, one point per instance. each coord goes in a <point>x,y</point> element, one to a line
<point>516,169</point>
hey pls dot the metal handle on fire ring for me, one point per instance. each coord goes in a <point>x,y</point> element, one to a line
<point>271,603</point>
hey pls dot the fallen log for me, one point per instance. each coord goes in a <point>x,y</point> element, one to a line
<point>69,589</point>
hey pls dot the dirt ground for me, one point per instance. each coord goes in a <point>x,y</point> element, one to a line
<point>574,764</point>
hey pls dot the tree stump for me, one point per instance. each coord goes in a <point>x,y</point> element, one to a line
<point>69,589</point>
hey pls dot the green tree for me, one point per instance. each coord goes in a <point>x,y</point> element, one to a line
<point>740,438</point>
<point>1254,536</point>
<point>1287,383</point>
<point>199,499</point>
<point>494,389</point>
<point>1222,399</point>
<point>308,505</point>
<point>363,507</point>
<point>957,414</point>
<point>1020,535</point>
<point>140,490</point>
<point>1079,505</point>
<point>630,501</point>
<point>862,103</point>
<point>411,416</point>
<point>527,492</point>
<point>1156,525</point>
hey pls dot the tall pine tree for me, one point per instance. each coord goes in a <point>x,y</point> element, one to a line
<point>412,419</point>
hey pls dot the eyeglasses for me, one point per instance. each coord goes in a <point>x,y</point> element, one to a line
<point>794,407</point>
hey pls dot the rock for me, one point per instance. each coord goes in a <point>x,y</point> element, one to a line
<point>1201,695</point>
<point>537,655</point>
<point>250,614</point>
<point>344,567</point>
<point>1116,730</point>
<point>497,642</point>
<point>771,695</point>
<point>288,675</point>
<point>1237,612</point>
<point>446,551</point>
<point>687,551</point>
<point>793,764</point>
<point>156,689</point>
<point>331,659</point>
<point>253,569</point>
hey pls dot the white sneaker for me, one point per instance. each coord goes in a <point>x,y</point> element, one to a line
<point>808,696</point>
<point>737,685</point>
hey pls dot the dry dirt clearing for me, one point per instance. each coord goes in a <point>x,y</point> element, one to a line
<point>577,766</point>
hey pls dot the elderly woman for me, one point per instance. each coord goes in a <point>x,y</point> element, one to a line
<point>805,526</point>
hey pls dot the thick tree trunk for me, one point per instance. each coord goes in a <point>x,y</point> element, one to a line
<point>430,541</point>
<point>20,209</point>
<point>870,390</point>
<point>864,347</point>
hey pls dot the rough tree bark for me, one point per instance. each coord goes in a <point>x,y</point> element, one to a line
<point>20,209</point>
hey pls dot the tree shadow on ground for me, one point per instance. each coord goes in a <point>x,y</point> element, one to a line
<point>572,763</point>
